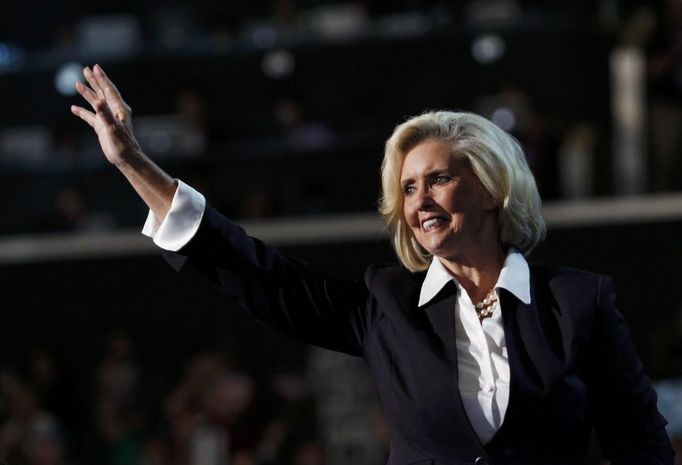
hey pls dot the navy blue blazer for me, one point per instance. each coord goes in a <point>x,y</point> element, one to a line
<point>572,364</point>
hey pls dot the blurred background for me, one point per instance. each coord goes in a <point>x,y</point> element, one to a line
<point>277,111</point>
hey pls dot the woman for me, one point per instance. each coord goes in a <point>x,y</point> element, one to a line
<point>478,357</point>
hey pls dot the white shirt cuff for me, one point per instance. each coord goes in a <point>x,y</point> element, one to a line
<point>181,222</point>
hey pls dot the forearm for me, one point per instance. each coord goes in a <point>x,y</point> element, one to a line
<point>154,186</point>
<point>285,294</point>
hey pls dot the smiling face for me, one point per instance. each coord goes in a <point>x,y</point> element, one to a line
<point>445,205</point>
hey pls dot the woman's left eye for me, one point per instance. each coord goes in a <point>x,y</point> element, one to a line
<point>441,179</point>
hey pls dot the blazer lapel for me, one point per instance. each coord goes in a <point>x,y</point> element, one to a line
<point>535,360</point>
<point>534,363</point>
<point>441,314</point>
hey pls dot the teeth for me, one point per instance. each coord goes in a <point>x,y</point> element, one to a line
<point>428,224</point>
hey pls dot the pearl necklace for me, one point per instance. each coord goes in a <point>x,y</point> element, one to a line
<point>486,307</point>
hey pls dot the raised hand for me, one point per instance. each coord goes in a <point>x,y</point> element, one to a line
<point>111,118</point>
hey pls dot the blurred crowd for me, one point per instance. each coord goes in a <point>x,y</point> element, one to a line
<point>199,126</point>
<point>214,413</point>
<point>176,24</point>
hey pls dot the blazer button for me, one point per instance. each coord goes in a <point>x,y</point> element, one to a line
<point>480,461</point>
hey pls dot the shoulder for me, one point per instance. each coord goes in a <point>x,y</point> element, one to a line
<point>578,290</point>
<point>393,279</point>
<point>390,274</point>
<point>563,276</point>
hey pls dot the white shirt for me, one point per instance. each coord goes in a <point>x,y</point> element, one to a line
<point>181,222</point>
<point>483,364</point>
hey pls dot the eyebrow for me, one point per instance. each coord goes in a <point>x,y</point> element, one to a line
<point>405,182</point>
<point>429,174</point>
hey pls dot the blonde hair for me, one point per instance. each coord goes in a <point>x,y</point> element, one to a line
<point>496,159</point>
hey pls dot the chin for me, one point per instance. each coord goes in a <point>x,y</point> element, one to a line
<point>437,250</point>
<point>441,248</point>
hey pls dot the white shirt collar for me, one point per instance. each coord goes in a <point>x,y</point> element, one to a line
<point>514,277</point>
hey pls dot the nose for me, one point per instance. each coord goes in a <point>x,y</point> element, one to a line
<point>424,198</point>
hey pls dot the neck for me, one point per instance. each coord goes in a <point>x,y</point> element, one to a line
<point>476,271</point>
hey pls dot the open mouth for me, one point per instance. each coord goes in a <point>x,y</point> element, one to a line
<point>433,223</point>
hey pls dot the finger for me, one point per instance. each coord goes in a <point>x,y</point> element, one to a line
<point>102,77</point>
<point>85,115</point>
<point>86,93</point>
<point>118,107</point>
<point>111,91</point>
<point>90,77</point>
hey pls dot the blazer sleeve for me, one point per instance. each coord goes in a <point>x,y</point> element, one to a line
<point>285,294</point>
<point>630,429</point>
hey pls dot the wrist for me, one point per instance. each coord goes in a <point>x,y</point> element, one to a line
<point>129,158</point>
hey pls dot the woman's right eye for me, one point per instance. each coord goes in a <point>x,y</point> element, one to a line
<point>409,189</point>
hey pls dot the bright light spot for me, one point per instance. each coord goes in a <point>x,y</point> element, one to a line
<point>278,64</point>
<point>488,48</point>
<point>66,77</point>
<point>504,118</point>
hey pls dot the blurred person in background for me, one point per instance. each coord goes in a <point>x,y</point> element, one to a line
<point>478,356</point>
<point>119,416</point>
<point>207,411</point>
<point>30,435</point>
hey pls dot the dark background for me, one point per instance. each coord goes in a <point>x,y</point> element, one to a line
<point>121,360</point>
